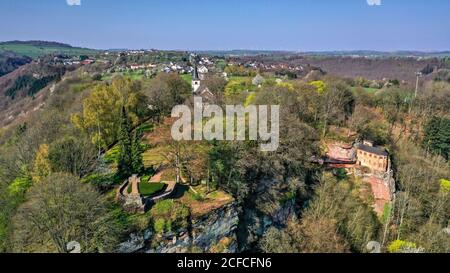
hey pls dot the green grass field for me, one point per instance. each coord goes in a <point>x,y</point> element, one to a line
<point>187,78</point>
<point>133,75</point>
<point>34,51</point>
<point>148,189</point>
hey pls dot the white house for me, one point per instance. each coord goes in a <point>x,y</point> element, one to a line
<point>203,69</point>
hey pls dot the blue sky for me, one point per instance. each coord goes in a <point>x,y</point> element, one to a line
<point>304,25</point>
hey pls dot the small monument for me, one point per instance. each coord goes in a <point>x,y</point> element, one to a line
<point>131,201</point>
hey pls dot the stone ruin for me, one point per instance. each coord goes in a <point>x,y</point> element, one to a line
<point>131,202</point>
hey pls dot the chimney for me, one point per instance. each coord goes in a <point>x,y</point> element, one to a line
<point>368,143</point>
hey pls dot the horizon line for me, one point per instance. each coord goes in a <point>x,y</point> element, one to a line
<point>240,49</point>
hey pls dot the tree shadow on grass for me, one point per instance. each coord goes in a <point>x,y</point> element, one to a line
<point>179,191</point>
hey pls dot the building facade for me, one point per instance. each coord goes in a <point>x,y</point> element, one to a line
<point>373,157</point>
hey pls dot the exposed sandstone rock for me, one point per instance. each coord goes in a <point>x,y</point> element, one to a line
<point>213,232</point>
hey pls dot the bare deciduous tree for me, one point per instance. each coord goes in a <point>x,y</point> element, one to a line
<point>59,210</point>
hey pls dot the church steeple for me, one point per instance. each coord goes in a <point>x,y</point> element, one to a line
<point>195,73</point>
<point>195,78</point>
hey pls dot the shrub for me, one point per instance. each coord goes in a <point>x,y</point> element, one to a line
<point>319,85</point>
<point>289,196</point>
<point>18,188</point>
<point>236,87</point>
<point>445,185</point>
<point>169,225</point>
<point>398,246</point>
<point>112,156</point>
<point>97,77</point>
<point>103,182</point>
<point>160,225</point>
<point>341,174</point>
<point>197,196</point>
<point>169,216</point>
<point>146,127</point>
<point>163,207</point>
<point>386,213</point>
<point>80,87</point>
<point>145,178</point>
<point>250,99</point>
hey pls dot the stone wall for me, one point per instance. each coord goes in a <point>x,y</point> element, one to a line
<point>373,161</point>
<point>131,203</point>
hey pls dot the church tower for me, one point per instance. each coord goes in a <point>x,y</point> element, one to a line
<point>195,80</point>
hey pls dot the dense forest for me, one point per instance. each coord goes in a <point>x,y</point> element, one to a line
<point>10,62</point>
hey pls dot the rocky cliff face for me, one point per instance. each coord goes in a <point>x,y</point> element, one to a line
<point>254,224</point>
<point>213,232</point>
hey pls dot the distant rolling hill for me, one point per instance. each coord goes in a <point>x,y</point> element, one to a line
<point>242,53</point>
<point>360,53</point>
<point>10,61</point>
<point>35,49</point>
<point>379,54</point>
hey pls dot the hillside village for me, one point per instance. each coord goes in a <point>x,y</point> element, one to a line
<point>358,160</point>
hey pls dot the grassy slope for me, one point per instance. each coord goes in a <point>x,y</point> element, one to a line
<point>368,90</point>
<point>187,78</point>
<point>34,51</point>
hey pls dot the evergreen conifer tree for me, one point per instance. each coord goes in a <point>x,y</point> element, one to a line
<point>125,166</point>
<point>136,150</point>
